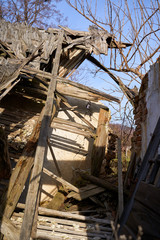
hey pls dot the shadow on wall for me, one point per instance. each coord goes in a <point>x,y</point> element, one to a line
<point>71,151</point>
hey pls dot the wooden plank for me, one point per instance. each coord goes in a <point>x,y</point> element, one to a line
<point>86,194</point>
<point>8,229</point>
<point>63,82</point>
<point>149,196</point>
<point>37,73</point>
<point>51,212</point>
<point>11,78</point>
<point>5,48</point>
<point>98,181</point>
<point>73,130</point>
<point>77,233</point>
<point>120,179</point>
<point>94,92</point>
<point>130,170</point>
<point>150,154</point>
<point>62,226</point>
<point>56,106</point>
<point>147,219</point>
<point>98,151</point>
<point>40,155</point>
<point>74,32</point>
<point>58,236</point>
<point>20,173</point>
<point>72,228</point>
<point>71,91</point>
<point>70,123</point>
<point>35,221</point>
<point>68,222</point>
<point>72,63</point>
<point>61,180</point>
<point>155,169</point>
<point>8,89</point>
<point>128,93</point>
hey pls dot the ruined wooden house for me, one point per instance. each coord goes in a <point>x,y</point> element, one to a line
<point>43,111</point>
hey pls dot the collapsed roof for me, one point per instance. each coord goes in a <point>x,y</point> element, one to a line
<point>27,56</point>
<point>37,63</point>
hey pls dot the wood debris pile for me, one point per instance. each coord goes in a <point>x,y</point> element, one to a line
<point>36,64</point>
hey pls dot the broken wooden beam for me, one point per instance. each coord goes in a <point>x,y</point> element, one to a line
<point>75,58</point>
<point>6,49</point>
<point>98,181</point>
<point>58,220</point>
<point>128,92</point>
<point>120,179</point>
<point>68,87</point>
<point>20,173</point>
<point>87,134</point>
<point>8,80</point>
<point>51,212</point>
<point>86,192</point>
<point>73,124</point>
<point>41,150</point>
<point>66,228</point>
<point>150,154</point>
<point>98,151</point>
<point>61,180</point>
<point>67,215</point>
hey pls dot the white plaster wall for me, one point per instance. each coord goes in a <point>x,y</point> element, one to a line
<point>71,150</point>
<point>153,106</point>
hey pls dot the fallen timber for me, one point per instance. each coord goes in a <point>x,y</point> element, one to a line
<point>97,181</point>
<point>40,74</point>
<point>74,225</point>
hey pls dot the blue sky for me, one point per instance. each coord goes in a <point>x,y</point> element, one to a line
<point>101,80</point>
<point>75,20</point>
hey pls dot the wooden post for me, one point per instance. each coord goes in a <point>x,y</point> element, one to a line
<point>41,151</point>
<point>20,173</point>
<point>98,152</point>
<point>120,180</point>
<point>98,181</point>
<point>150,154</point>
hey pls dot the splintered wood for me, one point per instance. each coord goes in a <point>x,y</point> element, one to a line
<point>38,71</point>
<point>40,152</point>
<point>41,52</point>
<point>54,224</point>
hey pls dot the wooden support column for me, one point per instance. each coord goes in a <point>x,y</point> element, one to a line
<point>20,173</point>
<point>98,152</point>
<point>120,179</point>
<point>41,151</point>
